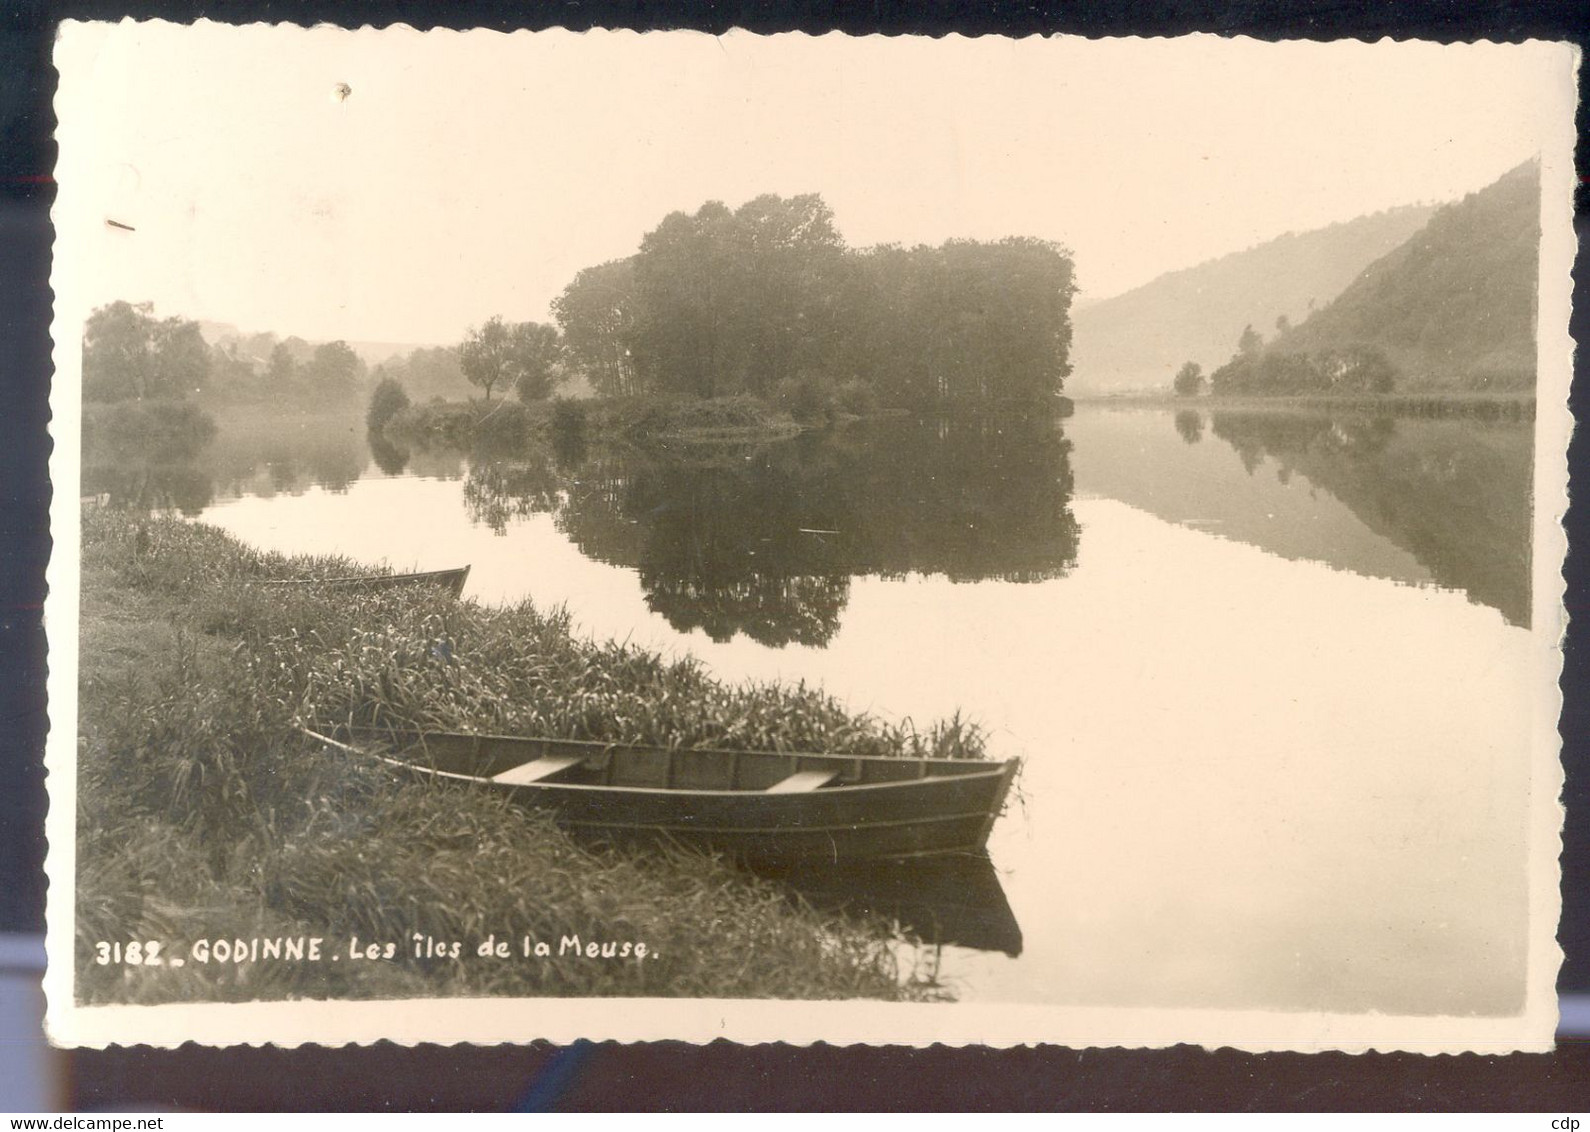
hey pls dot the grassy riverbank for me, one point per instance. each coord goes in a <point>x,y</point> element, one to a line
<point>203,813</point>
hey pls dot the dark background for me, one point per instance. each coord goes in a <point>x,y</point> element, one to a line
<point>673,1075</point>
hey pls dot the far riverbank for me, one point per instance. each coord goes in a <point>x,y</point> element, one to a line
<point>1481,406</point>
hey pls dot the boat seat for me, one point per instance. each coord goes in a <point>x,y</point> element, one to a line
<point>537,769</point>
<point>803,780</point>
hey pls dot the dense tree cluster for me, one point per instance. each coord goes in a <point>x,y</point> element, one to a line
<point>767,300</point>
<point>764,300</point>
<point>1276,371</point>
<point>426,373</point>
<point>522,356</point>
<point>293,372</point>
<point>129,355</point>
<point>262,367</point>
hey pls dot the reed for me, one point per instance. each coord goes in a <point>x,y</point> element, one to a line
<point>203,812</point>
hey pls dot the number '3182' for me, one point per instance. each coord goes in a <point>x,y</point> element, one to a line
<point>133,954</point>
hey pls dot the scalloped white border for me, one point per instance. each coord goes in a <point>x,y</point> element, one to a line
<point>496,1021</point>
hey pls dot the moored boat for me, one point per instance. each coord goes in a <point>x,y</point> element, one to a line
<point>451,580</point>
<point>759,806</point>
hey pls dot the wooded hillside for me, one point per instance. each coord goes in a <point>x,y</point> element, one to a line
<point>1139,339</point>
<point>1454,306</point>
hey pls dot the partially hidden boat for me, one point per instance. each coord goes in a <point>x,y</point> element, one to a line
<point>758,806</point>
<point>451,580</point>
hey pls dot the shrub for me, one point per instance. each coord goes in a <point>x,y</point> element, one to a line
<point>386,402</point>
<point>504,428</point>
<point>568,417</point>
<point>502,425</point>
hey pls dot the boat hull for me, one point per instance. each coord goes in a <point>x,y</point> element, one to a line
<point>740,803</point>
<point>450,580</point>
<point>923,818</point>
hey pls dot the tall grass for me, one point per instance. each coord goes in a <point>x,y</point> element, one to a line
<point>204,813</point>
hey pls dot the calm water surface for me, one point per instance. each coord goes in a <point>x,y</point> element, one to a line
<point>1267,669</point>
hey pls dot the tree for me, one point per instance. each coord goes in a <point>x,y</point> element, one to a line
<point>683,283</point>
<point>1189,380</point>
<point>737,301</point>
<point>766,298</point>
<point>596,314</point>
<point>786,254</point>
<point>281,372</point>
<point>181,358</point>
<point>1251,342</point>
<point>969,321</point>
<point>232,374</point>
<point>483,355</point>
<point>117,359</point>
<point>428,372</point>
<point>386,402</point>
<point>334,371</point>
<point>538,350</point>
<point>128,354</point>
<point>522,355</point>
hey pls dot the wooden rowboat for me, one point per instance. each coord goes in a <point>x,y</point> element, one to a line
<point>451,580</point>
<point>758,806</point>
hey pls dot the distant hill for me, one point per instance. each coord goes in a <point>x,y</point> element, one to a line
<point>1138,340</point>
<point>1454,306</point>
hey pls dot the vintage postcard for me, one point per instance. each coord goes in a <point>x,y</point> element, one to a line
<point>799,539</point>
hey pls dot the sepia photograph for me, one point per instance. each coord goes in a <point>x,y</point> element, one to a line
<point>786,538</point>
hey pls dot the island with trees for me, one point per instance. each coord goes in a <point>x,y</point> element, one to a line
<point>760,321</point>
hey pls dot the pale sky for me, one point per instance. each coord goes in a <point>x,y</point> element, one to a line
<point>468,175</point>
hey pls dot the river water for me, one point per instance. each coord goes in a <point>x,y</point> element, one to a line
<point>1268,671</point>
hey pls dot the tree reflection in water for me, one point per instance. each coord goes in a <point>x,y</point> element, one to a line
<point>499,491</point>
<point>1190,425</point>
<point>139,486</point>
<point>390,458</point>
<point>763,540</point>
